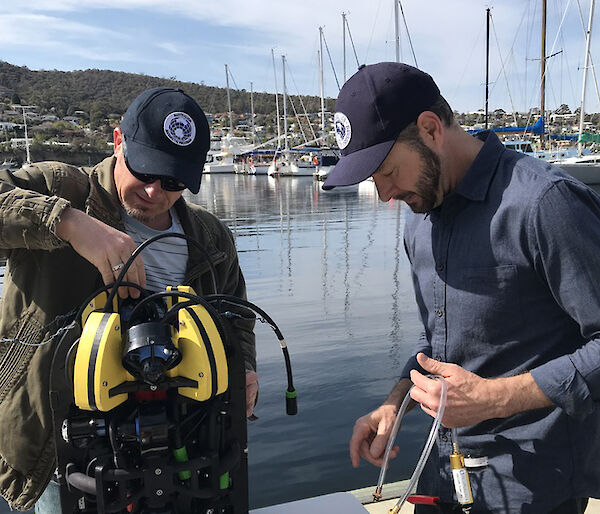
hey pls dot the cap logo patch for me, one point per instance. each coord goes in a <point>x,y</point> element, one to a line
<point>343,129</point>
<point>180,128</point>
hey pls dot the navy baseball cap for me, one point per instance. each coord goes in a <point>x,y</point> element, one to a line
<point>373,107</point>
<point>166,133</point>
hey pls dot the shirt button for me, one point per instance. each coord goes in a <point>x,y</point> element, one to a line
<point>444,438</point>
<point>440,267</point>
<point>439,313</point>
<point>438,358</point>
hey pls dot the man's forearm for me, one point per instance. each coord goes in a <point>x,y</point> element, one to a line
<point>398,393</point>
<point>63,228</point>
<point>517,394</point>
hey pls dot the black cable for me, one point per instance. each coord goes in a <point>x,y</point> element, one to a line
<point>104,289</point>
<point>234,300</point>
<point>240,302</point>
<point>288,368</point>
<point>182,294</point>
<point>172,312</point>
<point>118,283</point>
<point>68,375</point>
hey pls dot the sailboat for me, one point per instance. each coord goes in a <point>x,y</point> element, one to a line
<point>578,162</point>
<point>585,168</point>
<point>224,153</point>
<point>284,163</point>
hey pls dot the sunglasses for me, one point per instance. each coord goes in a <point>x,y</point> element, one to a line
<point>167,183</point>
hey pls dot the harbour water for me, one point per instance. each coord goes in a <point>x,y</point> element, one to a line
<point>330,268</point>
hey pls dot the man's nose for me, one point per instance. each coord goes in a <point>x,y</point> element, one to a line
<point>382,191</point>
<point>153,188</point>
<point>384,197</point>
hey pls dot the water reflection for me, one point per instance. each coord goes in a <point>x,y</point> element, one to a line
<point>330,268</point>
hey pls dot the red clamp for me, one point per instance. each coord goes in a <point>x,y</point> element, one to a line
<point>421,499</point>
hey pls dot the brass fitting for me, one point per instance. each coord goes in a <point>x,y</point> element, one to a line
<point>377,494</point>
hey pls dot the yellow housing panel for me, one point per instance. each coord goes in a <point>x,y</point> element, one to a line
<point>98,365</point>
<point>203,355</point>
<point>96,304</point>
<point>216,343</point>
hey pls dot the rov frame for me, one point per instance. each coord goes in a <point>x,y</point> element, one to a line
<point>149,406</point>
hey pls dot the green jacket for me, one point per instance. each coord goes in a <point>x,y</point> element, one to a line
<point>46,278</point>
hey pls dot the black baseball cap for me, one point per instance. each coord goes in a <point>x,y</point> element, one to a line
<point>373,107</point>
<point>166,133</point>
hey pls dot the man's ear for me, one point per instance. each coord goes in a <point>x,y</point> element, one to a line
<point>431,129</point>
<point>117,139</point>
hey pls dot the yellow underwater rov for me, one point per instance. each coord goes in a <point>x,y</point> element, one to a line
<point>149,403</point>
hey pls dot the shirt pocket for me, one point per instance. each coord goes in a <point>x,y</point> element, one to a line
<point>489,304</point>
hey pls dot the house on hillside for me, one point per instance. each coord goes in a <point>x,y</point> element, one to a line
<point>7,125</point>
<point>18,142</point>
<point>72,119</point>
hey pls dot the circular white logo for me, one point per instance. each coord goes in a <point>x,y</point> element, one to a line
<point>343,129</point>
<point>180,128</point>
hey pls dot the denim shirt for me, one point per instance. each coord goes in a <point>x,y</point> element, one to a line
<point>506,274</point>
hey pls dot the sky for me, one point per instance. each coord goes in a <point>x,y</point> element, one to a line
<point>192,40</point>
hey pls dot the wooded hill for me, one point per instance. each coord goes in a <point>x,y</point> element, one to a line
<point>104,92</point>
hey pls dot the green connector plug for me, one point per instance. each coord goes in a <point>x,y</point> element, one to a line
<point>182,456</point>
<point>291,402</point>
<point>224,481</point>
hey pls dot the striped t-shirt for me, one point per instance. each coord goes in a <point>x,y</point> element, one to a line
<point>165,260</point>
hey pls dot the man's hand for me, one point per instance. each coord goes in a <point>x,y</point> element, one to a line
<point>371,434</point>
<point>103,246</point>
<point>251,391</point>
<point>471,398</point>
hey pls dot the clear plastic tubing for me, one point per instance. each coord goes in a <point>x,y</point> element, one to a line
<point>426,450</point>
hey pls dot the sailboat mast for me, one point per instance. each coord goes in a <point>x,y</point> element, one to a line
<point>285,127</point>
<point>252,112</point>
<point>229,100</point>
<point>276,99</point>
<point>487,66</point>
<point>543,72</point>
<point>322,84</point>
<point>588,40</point>
<point>344,42</point>
<point>26,137</point>
<point>397,27</point>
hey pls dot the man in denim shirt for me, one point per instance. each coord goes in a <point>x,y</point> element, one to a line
<point>505,257</point>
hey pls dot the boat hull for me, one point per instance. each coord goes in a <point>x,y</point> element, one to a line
<point>589,174</point>
<point>219,168</point>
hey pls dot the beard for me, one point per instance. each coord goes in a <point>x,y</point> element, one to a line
<point>138,214</point>
<point>429,179</point>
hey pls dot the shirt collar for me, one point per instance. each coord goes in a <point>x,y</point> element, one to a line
<point>476,182</point>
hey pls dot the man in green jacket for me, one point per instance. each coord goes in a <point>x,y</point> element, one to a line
<point>65,230</point>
